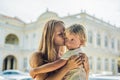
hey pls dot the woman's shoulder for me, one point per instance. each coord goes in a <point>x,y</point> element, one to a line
<point>36,58</point>
<point>36,53</point>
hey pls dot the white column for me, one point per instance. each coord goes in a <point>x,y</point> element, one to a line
<point>1,62</point>
<point>102,35</point>
<point>95,65</point>
<point>103,64</point>
<point>109,42</point>
<point>94,39</point>
<point>14,63</point>
<point>20,63</point>
<point>110,64</point>
<point>116,66</point>
<point>116,45</point>
<point>28,66</point>
<point>30,41</point>
<point>2,37</point>
<point>8,63</point>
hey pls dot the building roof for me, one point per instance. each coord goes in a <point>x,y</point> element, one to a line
<point>47,14</point>
<point>12,18</point>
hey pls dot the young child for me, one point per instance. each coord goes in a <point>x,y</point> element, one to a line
<point>75,37</point>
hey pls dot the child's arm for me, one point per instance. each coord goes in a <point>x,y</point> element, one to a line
<point>72,63</point>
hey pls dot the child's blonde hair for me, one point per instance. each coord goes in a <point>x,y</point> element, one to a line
<point>79,30</point>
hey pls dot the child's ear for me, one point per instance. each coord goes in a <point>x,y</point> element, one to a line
<point>82,42</point>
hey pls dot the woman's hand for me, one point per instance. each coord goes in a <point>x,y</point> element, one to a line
<point>74,62</point>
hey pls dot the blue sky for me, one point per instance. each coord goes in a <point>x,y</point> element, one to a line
<point>30,10</point>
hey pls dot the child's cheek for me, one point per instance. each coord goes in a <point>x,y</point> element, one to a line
<point>66,44</point>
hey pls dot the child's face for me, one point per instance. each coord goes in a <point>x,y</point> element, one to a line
<point>72,41</point>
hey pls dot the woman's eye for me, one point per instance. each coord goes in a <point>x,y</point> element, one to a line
<point>59,34</point>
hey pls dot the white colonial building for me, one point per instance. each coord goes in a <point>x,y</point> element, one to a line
<point>18,40</point>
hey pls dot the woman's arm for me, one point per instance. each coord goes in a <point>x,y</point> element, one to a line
<point>49,67</point>
<point>36,63</point>
<point>73,62</point>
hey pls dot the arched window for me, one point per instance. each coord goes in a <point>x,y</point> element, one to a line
<point>106,41</point>
<point>12,39</point>
<point>98,64</point>
<point>10,62</point>
<point>98,40</point>
<point>90,38</point>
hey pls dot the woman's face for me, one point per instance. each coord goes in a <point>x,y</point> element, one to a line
<point>59,35</point>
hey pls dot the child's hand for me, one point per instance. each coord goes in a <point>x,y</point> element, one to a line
<point>85,62</point>
<point>31,74</point>
<point>74,62</point>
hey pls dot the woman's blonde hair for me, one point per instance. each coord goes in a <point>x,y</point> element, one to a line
<point>79,30</point>
<point>47,47</point>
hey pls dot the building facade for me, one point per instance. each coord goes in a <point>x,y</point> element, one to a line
<point>19,40</point>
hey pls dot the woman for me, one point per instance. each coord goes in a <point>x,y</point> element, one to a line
<point>51,48</point>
